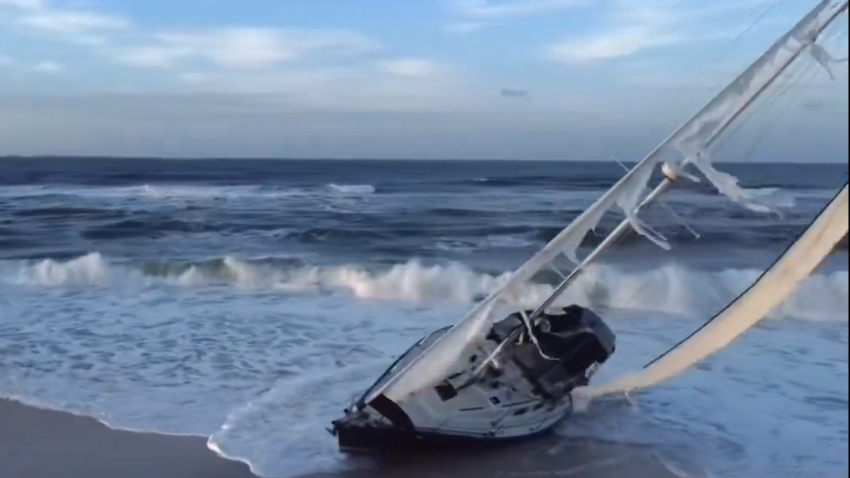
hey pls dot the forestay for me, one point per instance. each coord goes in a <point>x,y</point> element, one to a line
<point>691,140</point>
<point>695,137</point>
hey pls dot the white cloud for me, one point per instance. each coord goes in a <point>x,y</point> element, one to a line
<point>22,4</point>
<point>150,57</point>
<point>48,67</point>
<point>412,67</point>
<point>267,82</point>
<point>630,27</point>
<point>462,28</point>
<point>314,68</point>
<point>76,24</point>
<point>73,22</point>
<point>405,84</point>
<point>613,44</point>
<point>244,48</point>
<point>487,9</point>
<point>473,15</point>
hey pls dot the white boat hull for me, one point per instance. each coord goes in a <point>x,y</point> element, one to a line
<point>369,435</point>
<point>507,403</point>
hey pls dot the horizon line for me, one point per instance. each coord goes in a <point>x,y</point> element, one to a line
<point>293,159</point>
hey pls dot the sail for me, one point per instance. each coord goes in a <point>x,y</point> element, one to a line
<point>773,288</point>
<point>692,140</point>
<point>695,137</point>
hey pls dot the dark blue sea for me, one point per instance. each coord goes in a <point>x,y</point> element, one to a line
<point>247,299</point>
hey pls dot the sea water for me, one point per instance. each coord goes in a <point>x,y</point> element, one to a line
<point>250,301</point>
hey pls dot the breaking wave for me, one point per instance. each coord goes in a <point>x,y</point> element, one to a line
<point>181,191</point>
<point>670,288</point>
<point>352,188</point>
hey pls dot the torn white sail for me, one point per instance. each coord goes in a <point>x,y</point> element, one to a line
<point>775,286</point>
<point>692,140</point>
<point>694,137</point>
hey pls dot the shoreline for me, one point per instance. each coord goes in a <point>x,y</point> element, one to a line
<point>42,443</point>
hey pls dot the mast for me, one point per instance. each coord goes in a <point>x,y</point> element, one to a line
<point>687,137</point>
<point>727,121</point>
<point>777,283</point>
<point>691,139</point>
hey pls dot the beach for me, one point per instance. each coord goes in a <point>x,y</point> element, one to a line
<point>37,443</point>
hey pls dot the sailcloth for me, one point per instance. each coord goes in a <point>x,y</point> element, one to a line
<point>777,284</point>
<point>692,141</point>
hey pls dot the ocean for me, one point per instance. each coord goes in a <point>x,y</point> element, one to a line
<point>249,301</point>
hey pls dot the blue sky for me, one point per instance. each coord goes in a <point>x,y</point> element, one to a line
<point>375,78</point>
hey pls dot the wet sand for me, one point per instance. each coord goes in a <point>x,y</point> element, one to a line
<point>546,457</point>
<point>37,443</point>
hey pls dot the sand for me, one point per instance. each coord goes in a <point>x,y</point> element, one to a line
<point>37,443</point>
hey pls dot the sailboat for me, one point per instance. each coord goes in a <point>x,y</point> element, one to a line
<point>505,373</point>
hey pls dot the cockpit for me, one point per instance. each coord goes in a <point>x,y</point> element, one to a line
<point>562,349</point>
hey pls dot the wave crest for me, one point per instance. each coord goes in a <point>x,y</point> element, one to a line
<point>666,289</point>
<point>352,188</point>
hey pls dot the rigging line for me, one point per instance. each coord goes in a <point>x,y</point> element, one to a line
<point>753,285</point>
<point>598,287</point>
<point>799,76</point>
<point>712,61</point>
<point>775,97</point>
<point>743,34</point>
<point>838,36</point>
<point>761,105</point>
<point>649,282</point>
<point>533,337</point>
<point>750,27</point>
<point>771,99</point>
<point>664,204</point>
<point>746,118</point>
<point>801,79</point>
<point>773,120</point>
<point>790,84</point>
<point>807,45</point>
<point>723,127</point>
